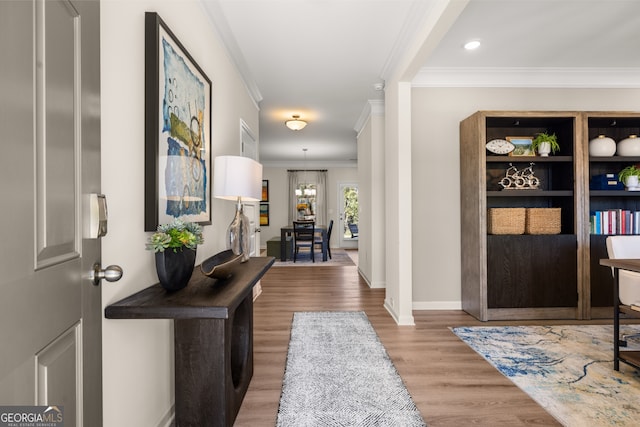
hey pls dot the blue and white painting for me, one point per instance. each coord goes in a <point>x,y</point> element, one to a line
<point>184,146</point>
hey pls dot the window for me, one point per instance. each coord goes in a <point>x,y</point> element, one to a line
<point>306,200</point>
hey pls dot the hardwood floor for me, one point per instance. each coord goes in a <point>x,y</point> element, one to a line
<point>450,383</point>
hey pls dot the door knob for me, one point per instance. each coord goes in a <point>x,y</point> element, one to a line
<point>112,273</point>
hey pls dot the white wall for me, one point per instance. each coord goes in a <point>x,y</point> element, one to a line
<point>371,242</point>
<point>138,354</point>
<point>278,198</point>
<point>436,114</point>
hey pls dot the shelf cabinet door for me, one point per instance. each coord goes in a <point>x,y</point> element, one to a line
<point>531,271</point>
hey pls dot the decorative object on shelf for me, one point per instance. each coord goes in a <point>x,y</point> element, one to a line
<point>522,145</point>
<point>629,147</point>
<point>506,220</point>
<point>520,180</point>
<point>500,146</point>
<point>605,181</point>
<point>221,265</point>
<point>545,143</point>
<point>237,178</point>
<point>630,177</point>
<point>175,245</point>
<point>543,221</point>
<point>602,146</point>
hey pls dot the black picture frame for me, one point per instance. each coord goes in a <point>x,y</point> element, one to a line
<point>177,130</point>
<point>265,190</point>
<point>264,214</point>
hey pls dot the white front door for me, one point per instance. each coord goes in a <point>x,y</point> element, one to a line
<point>50,311</point>
<point>348,214</point>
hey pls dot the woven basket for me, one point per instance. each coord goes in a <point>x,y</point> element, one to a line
<point>543,221</point>
<point>506,220</point>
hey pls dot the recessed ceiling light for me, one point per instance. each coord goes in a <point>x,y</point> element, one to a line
<point>473,44</point>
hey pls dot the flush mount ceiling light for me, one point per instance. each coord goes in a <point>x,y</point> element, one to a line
<point>295,123</point>
<point>471,45</point>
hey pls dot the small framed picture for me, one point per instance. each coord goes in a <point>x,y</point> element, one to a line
<point>265,190</point>
<point>264,214</point>
<point>522,145</point>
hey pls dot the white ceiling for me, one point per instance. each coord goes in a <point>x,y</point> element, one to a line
<point>321,58</point>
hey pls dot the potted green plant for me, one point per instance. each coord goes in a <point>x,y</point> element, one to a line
<point>175,246</point>
<point>545,143</point>
<point>630,177</point>
<point>176,235</point>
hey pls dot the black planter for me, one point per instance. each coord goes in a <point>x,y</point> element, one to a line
<point>175,268</point>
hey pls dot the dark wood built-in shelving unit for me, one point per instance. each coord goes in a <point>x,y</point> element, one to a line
<point>539,276</point>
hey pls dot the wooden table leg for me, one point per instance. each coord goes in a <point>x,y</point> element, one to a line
<point>213,367</point>
<point>616,319</point>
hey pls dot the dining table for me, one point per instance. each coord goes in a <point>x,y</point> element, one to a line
<point>288,231</point>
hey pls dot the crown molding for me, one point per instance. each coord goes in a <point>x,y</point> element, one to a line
<point>373,107</point>
<point>215,14</point>
<point>528,77</point>
<point>415,19</point>
<point>318,164</point>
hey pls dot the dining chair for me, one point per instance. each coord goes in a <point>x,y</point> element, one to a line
<point>303,237</point>
<point>353,228</point>
<point>319,242</point>
<point>626,247</point>
<point>620,247</point>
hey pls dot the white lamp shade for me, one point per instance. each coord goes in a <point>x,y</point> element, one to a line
<point>236,176</point>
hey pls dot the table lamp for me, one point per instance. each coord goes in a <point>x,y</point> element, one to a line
<point>238,178</point>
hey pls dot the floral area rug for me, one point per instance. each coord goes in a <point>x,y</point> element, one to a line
<point>568,370</point>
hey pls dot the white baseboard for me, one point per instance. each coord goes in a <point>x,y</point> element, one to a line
<point>400,320</point>
<point>168,420</point>
<point>437,305</point>
<point>372,285</point>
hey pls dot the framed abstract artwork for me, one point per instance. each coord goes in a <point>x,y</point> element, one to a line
<point>265,190</point>
<point>264,214</point>
<point>177,130</point>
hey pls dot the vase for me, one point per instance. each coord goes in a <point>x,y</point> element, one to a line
<point>631,182</point>
<point>544,149</point>
<point>629,146</point>
<point>602,146</point>
<point>238,234</point>
<point>174,268</point>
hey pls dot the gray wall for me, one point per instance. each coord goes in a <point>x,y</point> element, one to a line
<point>436,114</point>
<point>278,198</point>
<point>138,354</point>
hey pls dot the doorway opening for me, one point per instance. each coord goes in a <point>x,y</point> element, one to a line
<point>349,209</point>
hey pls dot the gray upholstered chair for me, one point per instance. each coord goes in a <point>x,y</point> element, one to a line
<point>626,247</point>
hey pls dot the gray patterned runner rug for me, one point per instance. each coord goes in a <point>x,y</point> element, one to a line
<point>338,373</point>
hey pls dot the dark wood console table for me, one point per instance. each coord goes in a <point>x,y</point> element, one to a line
<point>629,357</point>
<point>213,328</point>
